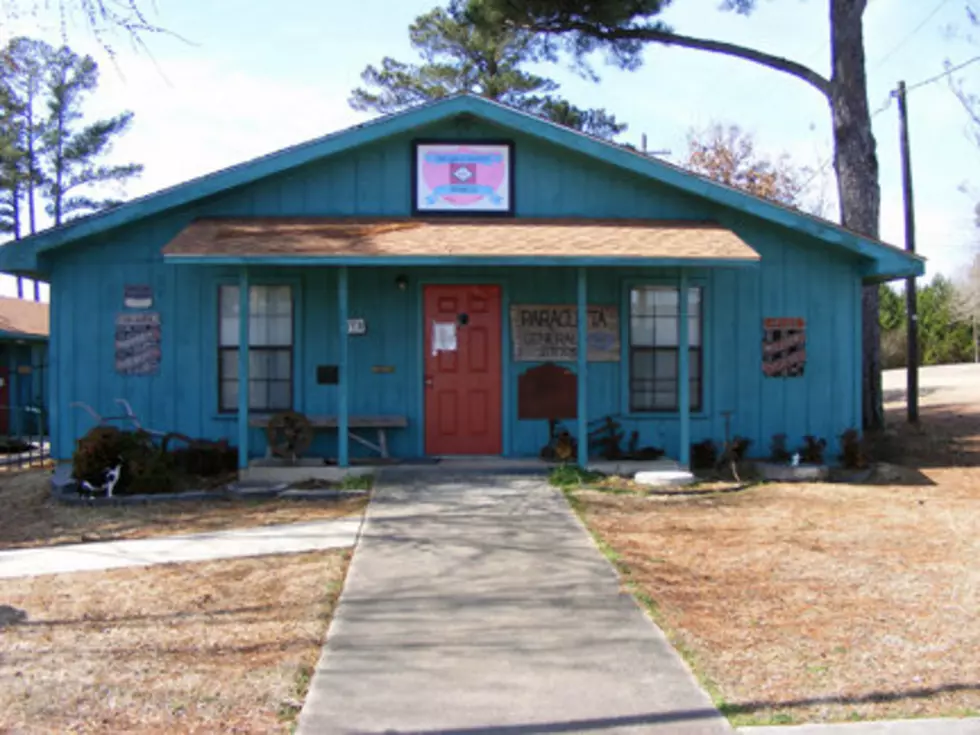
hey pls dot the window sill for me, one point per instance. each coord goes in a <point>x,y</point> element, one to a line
<point>233,415</point>
<point>663,415</point>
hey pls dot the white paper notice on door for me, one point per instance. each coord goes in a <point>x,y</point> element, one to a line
<point>443,337</point>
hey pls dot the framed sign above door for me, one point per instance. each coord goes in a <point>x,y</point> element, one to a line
<point>463,177</point>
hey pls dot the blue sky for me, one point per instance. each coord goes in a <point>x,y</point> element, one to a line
<point>249,78</point>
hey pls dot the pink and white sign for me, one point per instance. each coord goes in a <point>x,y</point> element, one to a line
<point>463,177</point>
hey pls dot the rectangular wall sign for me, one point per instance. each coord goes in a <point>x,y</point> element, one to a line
<point>457,177</point>
<point>356,326</point>
<point>137,296</point>
<point>550,332</point>
<point>783,347</point>
<point>138,344</point>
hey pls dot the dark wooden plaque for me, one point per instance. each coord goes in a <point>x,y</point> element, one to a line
<point>547,391</point>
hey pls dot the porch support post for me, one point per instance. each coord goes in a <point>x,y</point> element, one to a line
<point>13,391</point>
<point>583,368</point>
<point>684,371</point>
<point>244,385</point>
<point>343,381</point>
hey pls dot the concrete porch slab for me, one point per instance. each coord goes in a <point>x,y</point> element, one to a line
<point>282,471</point>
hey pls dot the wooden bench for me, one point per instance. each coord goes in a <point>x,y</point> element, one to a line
<point>380,424</point>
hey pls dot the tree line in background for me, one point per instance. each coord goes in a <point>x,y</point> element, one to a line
<point>51,154</point>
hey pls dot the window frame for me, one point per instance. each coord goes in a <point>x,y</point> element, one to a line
<point>291,349</point>
<point>703,352</point>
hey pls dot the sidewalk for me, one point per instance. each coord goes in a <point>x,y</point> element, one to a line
<point>481,605</point>
<point>283,539</point>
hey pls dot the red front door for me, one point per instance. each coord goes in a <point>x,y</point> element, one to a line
<point>462,369</point>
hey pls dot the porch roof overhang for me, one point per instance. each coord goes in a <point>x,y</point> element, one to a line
<point>453,241</point>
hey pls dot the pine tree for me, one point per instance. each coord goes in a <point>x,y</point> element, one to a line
<point>71,150</point>
<point>24,60</point>
<point>459,55</point>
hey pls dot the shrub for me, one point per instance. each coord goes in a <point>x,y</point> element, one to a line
<point>778,452</point>
<point>740,447</point>
<point>104,447</point>
<point>853,455</point>
<point>812,450</point>
<point>704,455</point>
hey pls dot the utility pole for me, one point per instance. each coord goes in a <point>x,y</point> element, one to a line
<point>912,318</point>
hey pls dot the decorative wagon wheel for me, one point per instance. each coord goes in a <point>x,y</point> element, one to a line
<point>289,434</point>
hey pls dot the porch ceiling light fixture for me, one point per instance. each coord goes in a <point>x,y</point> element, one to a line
<point>401,282</point>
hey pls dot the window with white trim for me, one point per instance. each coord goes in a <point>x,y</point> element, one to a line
<point>653,348</point>
<point>270,348</point>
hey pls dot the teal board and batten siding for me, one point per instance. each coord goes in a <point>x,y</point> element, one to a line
<point>797,277</point>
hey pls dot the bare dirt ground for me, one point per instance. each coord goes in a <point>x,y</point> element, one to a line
<point>214,647</point>
<point>825,602</point>
<point>31,518</point>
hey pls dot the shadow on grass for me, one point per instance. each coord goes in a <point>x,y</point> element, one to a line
<point>947,435</point>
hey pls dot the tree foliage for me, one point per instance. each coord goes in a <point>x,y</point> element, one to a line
<point>728,154</point>
<point>945,336</point>
<point>461,55</point>
<point>49,155</point>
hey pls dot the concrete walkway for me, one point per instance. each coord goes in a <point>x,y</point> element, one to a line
<point>283,539</point>
<point>478,605</point>
<point>969,726</point>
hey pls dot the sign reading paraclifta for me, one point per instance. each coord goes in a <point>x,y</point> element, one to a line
<point>550,332</point>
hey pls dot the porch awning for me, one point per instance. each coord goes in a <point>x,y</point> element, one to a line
<point>280,240</point>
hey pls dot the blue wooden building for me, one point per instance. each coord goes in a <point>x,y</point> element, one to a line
<point>23,367</point>
<point>418,265</point>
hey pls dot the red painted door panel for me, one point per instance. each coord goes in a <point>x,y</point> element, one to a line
<point>463,385</point>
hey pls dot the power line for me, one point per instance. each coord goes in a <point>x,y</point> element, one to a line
<point>888,102</point>
<point>950,70</point>
<point>911,34</point>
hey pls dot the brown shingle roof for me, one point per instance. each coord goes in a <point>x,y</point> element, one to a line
<point>29,318</point>
<point>340,238</point>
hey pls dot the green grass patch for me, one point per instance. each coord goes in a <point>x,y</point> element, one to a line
<point>357,482</point>
<point>572,476</point>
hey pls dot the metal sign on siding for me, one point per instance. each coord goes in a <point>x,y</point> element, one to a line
<point>137,296</point>
<point>138,343</point>
<point>783,347</point>
<point>550,332</point>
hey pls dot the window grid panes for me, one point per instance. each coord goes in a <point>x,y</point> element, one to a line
<point>654,342</point>
<point>270,348</point>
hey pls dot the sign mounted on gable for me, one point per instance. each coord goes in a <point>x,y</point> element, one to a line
<point>454,177</point>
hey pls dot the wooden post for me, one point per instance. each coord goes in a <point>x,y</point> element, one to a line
<point>911,307</point>
<point>343,381</point>
<point>244,387</point>
<point>582,303</point>
<point>684,371</point>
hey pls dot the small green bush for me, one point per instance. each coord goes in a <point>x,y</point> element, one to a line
<point>570,475</point>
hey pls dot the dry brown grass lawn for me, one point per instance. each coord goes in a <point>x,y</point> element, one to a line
<point>824,601</point>
<point>225,646</point>
<point>31,518</point>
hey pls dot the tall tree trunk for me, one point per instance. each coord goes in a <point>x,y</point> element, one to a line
<point>15,205</point>
<point>31,164</point>
<point>856,164</point>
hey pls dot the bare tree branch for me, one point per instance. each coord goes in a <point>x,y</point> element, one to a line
<point>668,38</point>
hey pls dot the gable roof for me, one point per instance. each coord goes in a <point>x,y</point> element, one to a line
<point>21,319</point>
<point>888,261</point>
